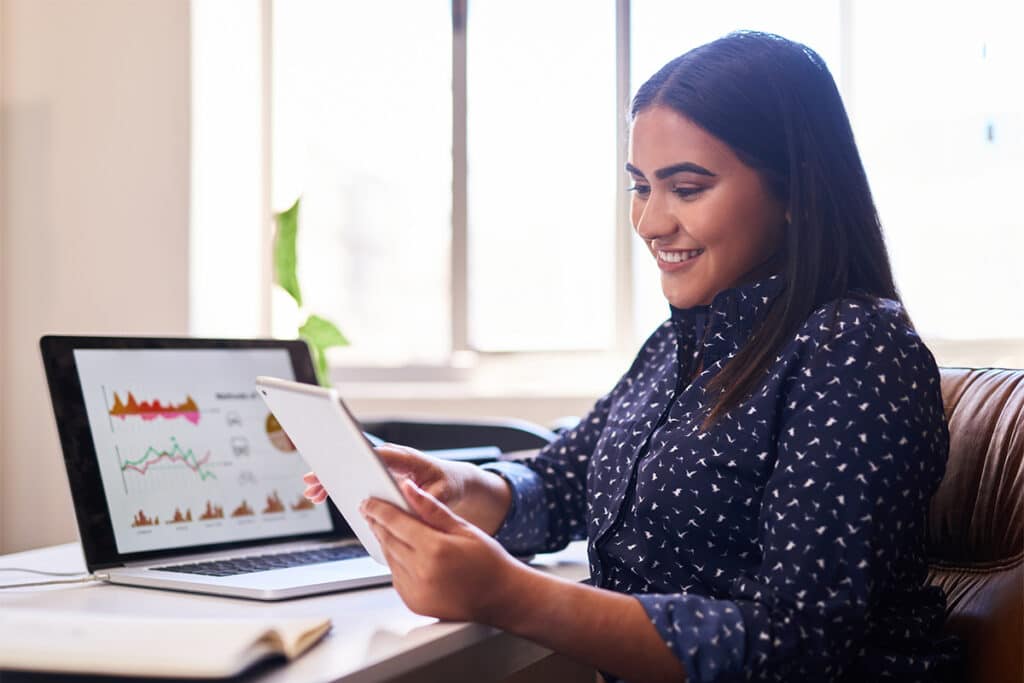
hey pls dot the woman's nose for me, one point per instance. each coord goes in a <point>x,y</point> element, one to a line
<point>654,222</point>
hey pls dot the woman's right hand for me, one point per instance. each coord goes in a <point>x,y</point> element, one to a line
<point>479,496</point>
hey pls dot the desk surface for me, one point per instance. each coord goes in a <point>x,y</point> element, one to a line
<point>375,636</point>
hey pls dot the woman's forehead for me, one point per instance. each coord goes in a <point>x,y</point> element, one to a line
<point>661,137</point>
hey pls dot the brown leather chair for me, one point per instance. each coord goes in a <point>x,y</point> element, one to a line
<point>976,525</point>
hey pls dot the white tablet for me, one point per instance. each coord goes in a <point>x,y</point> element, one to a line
<point>333,445</point>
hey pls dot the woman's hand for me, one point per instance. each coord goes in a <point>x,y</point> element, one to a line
<point>482,498</point>
<point>442,565</point>
<point>444,479</point>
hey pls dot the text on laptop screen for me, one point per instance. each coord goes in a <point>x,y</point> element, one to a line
<point>188,453</point>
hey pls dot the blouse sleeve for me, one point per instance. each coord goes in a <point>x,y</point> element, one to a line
<point>861,448</point>
<point>549,491</point>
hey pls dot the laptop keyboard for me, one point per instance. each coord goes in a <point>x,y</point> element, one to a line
<point>263,563</point>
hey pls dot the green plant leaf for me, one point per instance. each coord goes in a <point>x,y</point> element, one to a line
<point>285,259</point>
<point>321,334</point>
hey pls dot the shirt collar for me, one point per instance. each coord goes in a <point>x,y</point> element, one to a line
<point>733,312</point>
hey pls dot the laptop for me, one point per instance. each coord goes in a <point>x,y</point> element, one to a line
<point>181,478</point>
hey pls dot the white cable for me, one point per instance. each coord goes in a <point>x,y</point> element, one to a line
<point>83,579</point>
<point>38,571</point>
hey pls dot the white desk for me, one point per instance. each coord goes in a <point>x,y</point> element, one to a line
<point>375,637</point>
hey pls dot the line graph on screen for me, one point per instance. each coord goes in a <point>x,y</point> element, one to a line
<point>175,456</point>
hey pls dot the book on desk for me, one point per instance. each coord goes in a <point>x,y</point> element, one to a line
<point>113,645</point>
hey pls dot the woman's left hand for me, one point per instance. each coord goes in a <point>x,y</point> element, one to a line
<point>442,565</point>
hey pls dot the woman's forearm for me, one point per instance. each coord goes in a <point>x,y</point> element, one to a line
<point>600,627</point>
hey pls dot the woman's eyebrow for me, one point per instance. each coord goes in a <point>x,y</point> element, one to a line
<point>662,173</point>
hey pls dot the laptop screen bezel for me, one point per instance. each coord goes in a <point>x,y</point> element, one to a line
<point>92,514</point>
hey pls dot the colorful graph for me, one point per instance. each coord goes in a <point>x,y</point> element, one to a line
<point>151,410</point>
<point>152,456</point>
<point>277,436</point>
<point>303,503</point>
<point>142,520</point>
<point>274,504</point>
<point>212,512</point>
<point>179,518</point>
<point>243,510</point>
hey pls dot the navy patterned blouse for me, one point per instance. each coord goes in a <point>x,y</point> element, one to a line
<point>786,542</point>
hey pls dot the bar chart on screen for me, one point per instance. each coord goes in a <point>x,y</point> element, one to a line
<point>151,410</point>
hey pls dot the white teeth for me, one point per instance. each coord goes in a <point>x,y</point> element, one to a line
<point>678,256</point>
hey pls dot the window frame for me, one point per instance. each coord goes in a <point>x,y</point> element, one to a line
<point>624,337</point>
<point>463,359</point>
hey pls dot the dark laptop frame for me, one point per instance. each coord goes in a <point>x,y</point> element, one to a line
<point>91,512</point>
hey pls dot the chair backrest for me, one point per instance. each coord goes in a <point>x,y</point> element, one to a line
<point>976,522</point>
<point>506,434</point>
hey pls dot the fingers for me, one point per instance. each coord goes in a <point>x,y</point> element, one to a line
<point>386,537</point>
<point>430,509</point>
<point>402,458</point>
<point>399,523</point>
<point>315,493</point>
<point>433,515</point>
<point>393,549</point>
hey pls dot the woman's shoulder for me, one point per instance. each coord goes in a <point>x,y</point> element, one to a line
<point>859,315</point>
<point>860,333</point>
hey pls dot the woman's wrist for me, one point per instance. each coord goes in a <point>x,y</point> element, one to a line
<point>607,629</point>
<point>519,590</point>
<point>486,499</point>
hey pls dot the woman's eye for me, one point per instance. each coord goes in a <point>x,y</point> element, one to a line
<point>684,192</point>
<point>641,190</point>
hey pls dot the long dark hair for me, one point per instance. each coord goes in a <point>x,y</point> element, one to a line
<point>775,104</point>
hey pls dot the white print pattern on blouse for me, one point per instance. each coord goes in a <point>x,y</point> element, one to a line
<point>787,541</point>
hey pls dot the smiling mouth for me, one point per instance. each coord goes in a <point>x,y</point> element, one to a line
<point>677,256</point>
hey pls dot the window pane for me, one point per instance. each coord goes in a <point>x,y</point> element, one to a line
<point>542,176</point>
<point>226,236</point>
<point>939,120</point>
<point>665,29</point>
<point>362,131</point>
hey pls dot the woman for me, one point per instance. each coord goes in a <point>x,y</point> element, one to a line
<point>754,488</point>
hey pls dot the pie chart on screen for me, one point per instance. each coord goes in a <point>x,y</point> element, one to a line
<point>277,436</point>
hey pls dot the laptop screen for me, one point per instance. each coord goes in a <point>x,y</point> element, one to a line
<point>168,445</point>
<point>187,451</point>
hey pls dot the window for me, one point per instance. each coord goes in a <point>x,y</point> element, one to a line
<point>541,181</point>
<point>939,117</point>
<point>462,185</point>
<point>362,131</point>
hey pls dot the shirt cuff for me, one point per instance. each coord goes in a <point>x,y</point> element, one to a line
<point>526,526</point>
<point>708,636</point>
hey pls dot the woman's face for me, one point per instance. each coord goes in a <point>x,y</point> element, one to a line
<point>707,218</point>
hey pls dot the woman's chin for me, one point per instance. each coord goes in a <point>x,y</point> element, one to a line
<point>685,297</point>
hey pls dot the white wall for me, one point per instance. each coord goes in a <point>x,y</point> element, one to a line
<point>3,232</point>
<point>95,189</point>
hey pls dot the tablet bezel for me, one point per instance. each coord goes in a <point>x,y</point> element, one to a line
<point>87,494</point>
<point>287,399</point>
